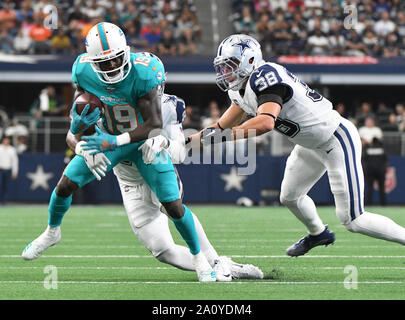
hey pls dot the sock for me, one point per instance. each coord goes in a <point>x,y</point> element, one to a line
<point>377,226</point>
<point>304,209</point>
<point>186,227</point>
<point>57,208</point>
<point>206,247</point>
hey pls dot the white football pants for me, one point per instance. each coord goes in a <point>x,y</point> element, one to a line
<point>340,157</point>
<point>151,227</point>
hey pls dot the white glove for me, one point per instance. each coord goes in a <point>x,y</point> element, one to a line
<point>97,163</point>
<point>152,147</point>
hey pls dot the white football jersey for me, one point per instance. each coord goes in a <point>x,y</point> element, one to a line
<point>306,117</point>
<point>173,113</point>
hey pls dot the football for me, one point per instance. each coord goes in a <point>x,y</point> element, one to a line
<point>94,102</point>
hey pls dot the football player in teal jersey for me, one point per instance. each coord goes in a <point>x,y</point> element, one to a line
<point>130,86</point>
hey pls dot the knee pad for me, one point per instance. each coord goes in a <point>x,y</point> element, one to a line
<point>288,201</point>
<point>155,235</point>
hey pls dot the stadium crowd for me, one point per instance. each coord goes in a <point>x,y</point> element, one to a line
<point>324,27</point>
<point>159,26</point>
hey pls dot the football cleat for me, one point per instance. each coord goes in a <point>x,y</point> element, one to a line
<point>308,242</point>
<point>243,271</point>
<point>48,238</point>
<point>204,271</point>
<point>222,270</point>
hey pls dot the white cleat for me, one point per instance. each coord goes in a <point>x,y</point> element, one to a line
<point>243,271</point>
<point>204,271</point>
<point>222,270</point>
<point>48,238</point>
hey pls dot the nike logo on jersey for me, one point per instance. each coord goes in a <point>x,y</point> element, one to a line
<point>260,73</point>
<point>327,151</point>
<point>154,68</point>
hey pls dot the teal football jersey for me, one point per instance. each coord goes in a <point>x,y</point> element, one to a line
<point>121,112</point>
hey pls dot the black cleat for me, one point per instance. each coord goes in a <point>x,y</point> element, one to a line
<point>308,242</point>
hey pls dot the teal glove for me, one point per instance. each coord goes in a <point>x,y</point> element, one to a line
<point>100,142</point>
<point>81,122</point>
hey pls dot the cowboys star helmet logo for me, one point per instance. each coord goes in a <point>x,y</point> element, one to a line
<point>242,45</point>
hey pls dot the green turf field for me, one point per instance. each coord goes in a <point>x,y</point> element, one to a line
<point>100,258</point>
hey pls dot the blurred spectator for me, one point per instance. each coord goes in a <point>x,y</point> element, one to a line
<point>192,120</point>
<point>48,104</point>
<point>384,26</point>
<point>391,48</point>
<point>392,124</point>
<point>60,43</point>
<point>375,167</point>
<point>22,43</point>
<point>246,23</point>
<point>7,16</point>
<point>187,42</point>
<point>16,131</point>
<point>402,123</point>
<point>370,131</point>
<point>40,36</point>
<point>381,7</point>
<point>6,42</point>
<point>399,110</point>
<point>94,10</point>
<point>167,44</point>
<point>363,113</point>
<point>152,34</point>
<point>8,167</point>
<point>214,115</point>
<point>317,43</point>
<point>24,12</point>
<point>383,113</point>
<point>341,109</point>
<point>337,42</point>
<point>135,40</point>
<point>371,42</point>
<point>280,37</point>
<point>278,4</point>
<point>296,4</point>
<point>355,45</point>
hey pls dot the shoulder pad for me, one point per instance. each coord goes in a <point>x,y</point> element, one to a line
<point>76,68</point>
<point>264,77</point>
<point>177,108</point>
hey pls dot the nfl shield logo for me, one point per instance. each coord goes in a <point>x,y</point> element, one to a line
<point>390,180</point>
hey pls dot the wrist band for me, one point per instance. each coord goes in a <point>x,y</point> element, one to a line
<point>124,138</point>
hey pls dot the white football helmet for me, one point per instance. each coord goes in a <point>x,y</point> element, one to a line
<point>238,55</point>
<point>108,52</point>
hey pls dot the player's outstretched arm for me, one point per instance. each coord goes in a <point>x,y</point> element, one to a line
<point>231,117</point>
<point>172,141</point>
<point>264,122</point>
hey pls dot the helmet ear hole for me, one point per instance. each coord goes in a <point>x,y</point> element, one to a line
<point>251,60</point>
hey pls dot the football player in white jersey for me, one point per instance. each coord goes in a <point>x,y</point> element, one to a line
<point>145,212</point>
<point>325,141</point>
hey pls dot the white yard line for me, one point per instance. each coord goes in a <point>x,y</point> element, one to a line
<point>232,256</point>
<point>195,282</point>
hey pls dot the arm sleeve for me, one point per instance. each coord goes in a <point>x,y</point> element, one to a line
<point>176,148</point>
<point>277,93</point>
